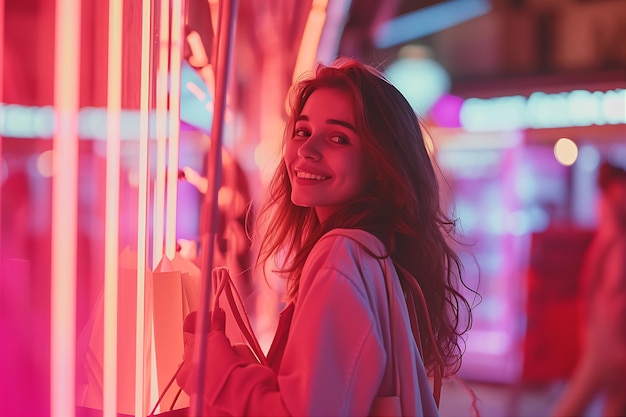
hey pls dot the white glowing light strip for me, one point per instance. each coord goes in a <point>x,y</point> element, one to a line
<point>64,210</point>
<point>38,122</point>
<point>161,134</point>
<point>540,110</point>
<point>141,371</point>
<point>310,38</point>
<point>607,107</point>
<point>176,58</point>
<point>111,221</point>
<point>428,20</point>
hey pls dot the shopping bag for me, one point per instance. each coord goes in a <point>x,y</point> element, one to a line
<point>90,344</point>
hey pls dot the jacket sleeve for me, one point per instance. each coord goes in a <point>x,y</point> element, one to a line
<point>334,359</point>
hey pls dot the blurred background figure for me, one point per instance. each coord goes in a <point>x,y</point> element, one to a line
<point>601,370</point>
<point>234,206</point>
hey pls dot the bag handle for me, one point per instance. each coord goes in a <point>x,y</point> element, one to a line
<point>222,283</point>
<point>440,364</point>
<point>396,376</point>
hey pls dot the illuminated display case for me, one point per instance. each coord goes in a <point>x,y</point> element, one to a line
<point>93,140</point>
<point>490,212</point>
<point>527,213</point>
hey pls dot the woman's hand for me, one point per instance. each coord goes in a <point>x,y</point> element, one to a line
<point>185,376</point>
<point>217,319</point>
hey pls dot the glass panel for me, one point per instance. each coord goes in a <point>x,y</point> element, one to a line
<point>25,205</point>
<point>129,212</point>
<point>26,198</point>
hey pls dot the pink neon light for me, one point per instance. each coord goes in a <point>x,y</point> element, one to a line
<point>311,38</point>
<point>141,391</point>
<point>64,209</point>
<point>1,92</point>
<point>446,110</point>
<point>161,134</point>
<point>111,261</point>
<point>174,127</point>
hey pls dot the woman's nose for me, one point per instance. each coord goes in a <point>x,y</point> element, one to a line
<point>310,148</point>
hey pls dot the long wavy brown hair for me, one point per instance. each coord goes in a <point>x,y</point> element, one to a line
<point>403,208</point>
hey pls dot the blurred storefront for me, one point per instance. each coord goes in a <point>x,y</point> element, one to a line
<point>526,216</point>
<point>521,157</point>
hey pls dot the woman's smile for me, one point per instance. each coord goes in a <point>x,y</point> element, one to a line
<point>310,176</point>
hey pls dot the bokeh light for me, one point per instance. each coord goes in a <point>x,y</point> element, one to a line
<point>44,164</point>
<point>420,78</point>
<point>588,158</point>
<point>565,151</point>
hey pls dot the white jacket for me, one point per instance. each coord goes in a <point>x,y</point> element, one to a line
<point>335,359</point>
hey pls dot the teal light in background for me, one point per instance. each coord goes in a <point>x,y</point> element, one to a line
<point>34,122</point>
<point>429,20</point>
<point>419,77</point>
<point>196,101</point>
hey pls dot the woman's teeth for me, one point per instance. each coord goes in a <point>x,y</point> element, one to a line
<point>309,176</point>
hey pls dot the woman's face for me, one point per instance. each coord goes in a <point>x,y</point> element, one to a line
<point>325,158</point>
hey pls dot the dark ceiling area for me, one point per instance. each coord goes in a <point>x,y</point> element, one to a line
<point>365,15</point>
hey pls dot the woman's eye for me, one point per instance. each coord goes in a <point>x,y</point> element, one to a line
<point>339,139</point>
<point>300,133</point>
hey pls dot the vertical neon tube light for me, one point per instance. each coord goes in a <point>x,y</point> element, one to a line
<point>64,209</point>
<point>111,223</point>
<point>161,132</point>
<point>1,92</point>
<point>225,36</point>
<point>310,38</point>
<point>174,127</point>
<point>141,392</point>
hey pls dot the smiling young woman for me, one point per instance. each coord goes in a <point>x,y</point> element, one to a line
<point>353,221</point>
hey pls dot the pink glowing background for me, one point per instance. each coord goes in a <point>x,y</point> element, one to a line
<point>106,125</point>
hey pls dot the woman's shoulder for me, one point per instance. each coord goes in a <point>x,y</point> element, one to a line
<point>347,246</point>
<point>344,255</point>
<point>353,238</point>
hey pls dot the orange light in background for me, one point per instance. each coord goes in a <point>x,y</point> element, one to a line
<point>176,56</point>
<point>429,143</point>
<point>214,7</point>
<point>161,133</point>
<point>142,371</point>
<point>310,38</point>
<point>44,164</point>
<point>64,209</point>
<point>565,151</point>
<point>111,221</point>
<point>198,56</point>
<point>267,156</point>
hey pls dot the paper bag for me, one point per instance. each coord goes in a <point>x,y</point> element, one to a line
<point>90,345</point>
<point>177,287</point>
